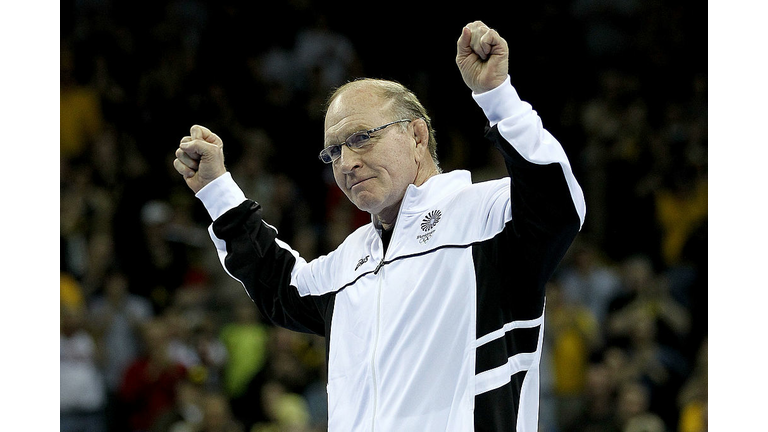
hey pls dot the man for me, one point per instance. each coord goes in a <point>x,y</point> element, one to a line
<point>433,313</point>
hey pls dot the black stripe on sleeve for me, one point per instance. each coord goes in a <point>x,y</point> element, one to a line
<point>542,205</point>
<point>264,268</point>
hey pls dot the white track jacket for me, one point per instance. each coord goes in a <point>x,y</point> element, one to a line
<point>442,331</point>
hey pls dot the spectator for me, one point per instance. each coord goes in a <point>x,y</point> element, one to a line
<point>80,108</point>
<point>693,397</point>
<point>187,414</point>
<point>82,390</point>
<point>589,281</point>
<point>211,351</point>
<point>320,49</point>
<point>149,385</point>
<point>71,292</point>
<point>86,214</point>
<point>245,339</point>
<point>572,336</point>
<point>217,416</point>
<point>661,369</point>
<point>599,412</point>
<point>202,411</point>
<point>633,414</point>
<point>117,315</point>
<point>643,292</point>
<point>681,208</point>
<point>286,411</point>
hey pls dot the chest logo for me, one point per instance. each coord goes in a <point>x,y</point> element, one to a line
<point>428,224</point>
<point>430,220</point>
<point>362,261</point>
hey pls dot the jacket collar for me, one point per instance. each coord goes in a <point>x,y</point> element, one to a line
<point>418,199</point>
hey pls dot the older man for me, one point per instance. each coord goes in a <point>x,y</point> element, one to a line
<point>433,313</point>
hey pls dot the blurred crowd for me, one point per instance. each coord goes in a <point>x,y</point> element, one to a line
<point>156,337</point>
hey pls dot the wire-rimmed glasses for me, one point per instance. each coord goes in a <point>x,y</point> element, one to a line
<point>357,140</point>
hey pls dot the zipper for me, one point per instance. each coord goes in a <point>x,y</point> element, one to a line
<point>378,267</point>
<point>376,332</point>
<point>378,318</point>
<point>375,346</point>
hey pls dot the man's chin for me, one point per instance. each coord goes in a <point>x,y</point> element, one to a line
<point>365,202</point>
<point>365,206</point>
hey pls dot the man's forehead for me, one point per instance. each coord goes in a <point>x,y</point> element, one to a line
<point>353,101</point>
<point>353,110</point>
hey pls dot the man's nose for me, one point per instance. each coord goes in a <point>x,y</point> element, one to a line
<point>348,160</point>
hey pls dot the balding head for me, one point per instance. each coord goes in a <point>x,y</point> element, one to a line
<point>395,100</point>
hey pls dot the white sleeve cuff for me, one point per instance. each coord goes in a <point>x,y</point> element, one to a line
<point>220,195</point>
<point>500,103</point>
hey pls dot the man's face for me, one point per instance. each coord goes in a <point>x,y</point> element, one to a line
<point>375,177</point>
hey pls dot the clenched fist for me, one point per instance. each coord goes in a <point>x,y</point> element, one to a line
<point>482,56</point>
<point>200,157</point>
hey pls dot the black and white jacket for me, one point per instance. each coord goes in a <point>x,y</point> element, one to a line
<point>443,330</point>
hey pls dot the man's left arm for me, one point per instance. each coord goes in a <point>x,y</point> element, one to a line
<point>544,192</point>
<point>546,207</point>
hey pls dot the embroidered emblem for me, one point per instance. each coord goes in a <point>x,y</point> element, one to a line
<point>430,220</point>
<point>428,224</point>
<point>424,238</point>
<point>362,261</point>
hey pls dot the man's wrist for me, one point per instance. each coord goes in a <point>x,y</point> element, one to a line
<point>500,103</point>
<point>220,195</point>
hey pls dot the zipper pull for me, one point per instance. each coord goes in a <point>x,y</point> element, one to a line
<point>376,270</point>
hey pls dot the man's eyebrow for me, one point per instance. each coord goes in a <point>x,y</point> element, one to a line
<point>332,140</point>
<point>344,134</point>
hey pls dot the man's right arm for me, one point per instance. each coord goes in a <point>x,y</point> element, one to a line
<point>250,253</point>
<point>248,247</point>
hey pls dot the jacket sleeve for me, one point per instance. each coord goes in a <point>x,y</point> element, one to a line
<point>546,205</point>
<point>251,253</point>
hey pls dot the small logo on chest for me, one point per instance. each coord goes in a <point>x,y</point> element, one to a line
<point>362,261</point>
<point>428,224</point>
<point>430,220</point>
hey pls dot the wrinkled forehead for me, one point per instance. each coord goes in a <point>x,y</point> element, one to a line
<point>355,108</point>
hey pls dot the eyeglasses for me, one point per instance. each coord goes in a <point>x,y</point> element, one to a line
<point>355,141</point>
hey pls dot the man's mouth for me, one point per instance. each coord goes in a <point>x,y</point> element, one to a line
<point>358,181</point>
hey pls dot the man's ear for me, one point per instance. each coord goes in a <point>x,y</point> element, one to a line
<point>421,136</point>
